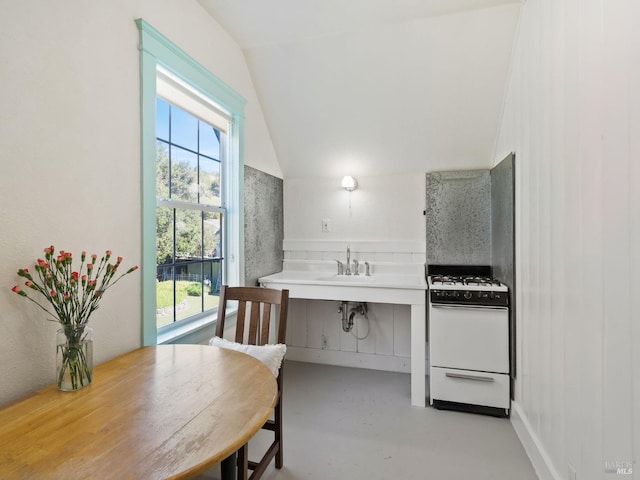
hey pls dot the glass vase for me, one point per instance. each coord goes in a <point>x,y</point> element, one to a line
<point>74,357</point>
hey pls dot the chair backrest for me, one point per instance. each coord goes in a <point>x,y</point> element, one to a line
<point>257,302</point>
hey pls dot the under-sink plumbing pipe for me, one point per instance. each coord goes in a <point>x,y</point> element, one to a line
<point>344,310</point>
<point>347,317</point>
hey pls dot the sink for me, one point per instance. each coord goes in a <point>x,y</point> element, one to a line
<point>331,279</point>
<point>397,288</point>
<point>346,278</point>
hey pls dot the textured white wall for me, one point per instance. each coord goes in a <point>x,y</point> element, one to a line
<point>70,155</point>
<point>572,115</point>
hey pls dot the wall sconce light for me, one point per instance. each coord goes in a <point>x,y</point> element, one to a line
<point>349,183</point>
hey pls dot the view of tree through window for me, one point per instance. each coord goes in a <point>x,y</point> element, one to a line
<point>188,214</point>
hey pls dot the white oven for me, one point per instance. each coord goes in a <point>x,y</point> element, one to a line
<point>469,343</point>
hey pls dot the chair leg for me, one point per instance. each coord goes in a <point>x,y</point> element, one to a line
<point>228,467</point>
<point>278,433</point>
<point>243,462</point>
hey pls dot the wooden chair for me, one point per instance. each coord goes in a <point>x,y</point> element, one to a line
<point>257,301</point>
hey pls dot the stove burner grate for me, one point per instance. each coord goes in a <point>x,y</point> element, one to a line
<point>464,280</point>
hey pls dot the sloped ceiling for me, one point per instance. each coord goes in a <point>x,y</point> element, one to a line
<point>373,87</point>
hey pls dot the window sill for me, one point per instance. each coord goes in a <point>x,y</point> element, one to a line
<point>204,325</point>
<point>187,328</point>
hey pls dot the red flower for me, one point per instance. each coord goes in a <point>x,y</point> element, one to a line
<point>17,290</point>
<point>28,283</point>
<point>75,275</point>
<point>52,293</point>
<point>108,252</point>
<point>23,272</point>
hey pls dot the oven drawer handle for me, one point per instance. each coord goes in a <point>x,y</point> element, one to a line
<point>477,378</point>
<point>468,307</point>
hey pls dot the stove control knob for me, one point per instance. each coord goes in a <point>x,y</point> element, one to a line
<point>467,295</point>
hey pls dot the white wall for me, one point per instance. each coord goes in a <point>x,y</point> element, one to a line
<point>70,154</point>
<point>384,207</point>
<point>572,115</point>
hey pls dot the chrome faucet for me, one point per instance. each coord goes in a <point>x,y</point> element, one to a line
<point>355,267</point>
<point>368,272</point>
<point>348,271</point>
<point>340,267</point>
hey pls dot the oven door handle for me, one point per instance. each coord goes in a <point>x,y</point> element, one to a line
<point>468,307</point>
<point>477,378</point>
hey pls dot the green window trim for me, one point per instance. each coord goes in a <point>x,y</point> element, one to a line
<point>156,49</point>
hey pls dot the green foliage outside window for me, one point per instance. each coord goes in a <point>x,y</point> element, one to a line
<point>192,227</point>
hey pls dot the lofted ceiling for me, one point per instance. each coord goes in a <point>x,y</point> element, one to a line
<point>374,87</point>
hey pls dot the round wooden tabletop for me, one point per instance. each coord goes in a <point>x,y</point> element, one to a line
<point>167,411</point>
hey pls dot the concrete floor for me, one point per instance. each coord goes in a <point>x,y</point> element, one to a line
<point>346,423</point>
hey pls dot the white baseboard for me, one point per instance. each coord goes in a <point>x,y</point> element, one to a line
<point>349,359</point>
<point>532,445</point>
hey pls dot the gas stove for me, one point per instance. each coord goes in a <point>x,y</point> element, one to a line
<point>468,339</point>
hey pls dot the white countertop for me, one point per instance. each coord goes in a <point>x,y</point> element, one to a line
<point>384,280</point>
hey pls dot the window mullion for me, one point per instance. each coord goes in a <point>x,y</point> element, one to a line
<point>167,202</point>
<point>173,265</point>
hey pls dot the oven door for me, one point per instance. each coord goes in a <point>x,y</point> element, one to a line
<point>469,337</point>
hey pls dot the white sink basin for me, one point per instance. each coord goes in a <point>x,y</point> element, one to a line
<point>327,279</point>
<point>347,278</point>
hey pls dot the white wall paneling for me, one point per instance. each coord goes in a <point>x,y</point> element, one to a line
<point>384,342</point>
<point>571,115</point>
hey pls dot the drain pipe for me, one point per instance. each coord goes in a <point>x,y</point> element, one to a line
<point>361,309</point>
<point>347,316</point>
<point>344,310</point>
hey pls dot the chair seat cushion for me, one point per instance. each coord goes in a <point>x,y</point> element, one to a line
<point>270,355</point>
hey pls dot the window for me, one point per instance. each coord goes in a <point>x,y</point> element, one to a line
<point>191,141</point>
<point>188,214</point>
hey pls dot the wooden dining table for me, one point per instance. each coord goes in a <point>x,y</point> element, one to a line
<point>159,412</point>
